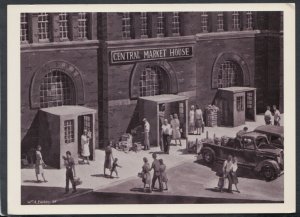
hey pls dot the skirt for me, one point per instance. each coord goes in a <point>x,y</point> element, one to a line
<point>146,178</point>
<point>107,163</point>
<point>39,169</point>
<point>176,134</point>
<point>86,150</point>
<point>198,123</point>
<point>234,178</point>
<point>164,177</point>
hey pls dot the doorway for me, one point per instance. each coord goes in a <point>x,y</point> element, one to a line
<point>85,122</point>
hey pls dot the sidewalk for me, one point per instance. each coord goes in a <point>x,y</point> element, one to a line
<point>92,175</point>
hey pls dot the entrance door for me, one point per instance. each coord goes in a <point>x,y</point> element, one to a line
<point>85,122</point>
<point>249,105</point>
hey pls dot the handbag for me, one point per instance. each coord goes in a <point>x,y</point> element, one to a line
<point>77,181</point>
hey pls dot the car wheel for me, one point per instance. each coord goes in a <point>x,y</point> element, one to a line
<point>268,173</point>
<point>208,156</point>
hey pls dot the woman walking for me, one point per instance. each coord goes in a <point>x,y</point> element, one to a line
<point>234,178</point>
<point>108,158</point>
<point>192,120</point>
<point>199,120</point>
<point>163,174</point>
<point>146,177</point>
<point>39,164</point>
<point>175,125</point>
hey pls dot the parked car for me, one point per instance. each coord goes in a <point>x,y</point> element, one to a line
<point>275,134</point>
<point>253,151</point>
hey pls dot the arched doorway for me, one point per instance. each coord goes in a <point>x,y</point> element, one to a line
<point>230,74</point>
<point>153,81</point>
<point>57,89</point>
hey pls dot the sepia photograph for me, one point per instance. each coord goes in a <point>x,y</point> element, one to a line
<point>152,107</point>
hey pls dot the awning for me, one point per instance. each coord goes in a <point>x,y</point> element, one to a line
<point>67,110</point>
<point>164,98</point>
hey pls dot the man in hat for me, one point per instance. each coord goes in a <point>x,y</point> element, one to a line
<point>146,134</point>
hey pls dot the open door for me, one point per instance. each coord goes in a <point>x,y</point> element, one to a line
<point>85,122</point>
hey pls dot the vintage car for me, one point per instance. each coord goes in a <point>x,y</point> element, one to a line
<point>253,151</point>
<point>274,133</point>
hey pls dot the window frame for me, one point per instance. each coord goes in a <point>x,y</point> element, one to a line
<point>83,24</point>
<point>175,23</point>
<point>236,21</point>
<point>161,29</point>
<point>24,27</point>
<point>240,103</point>
<point>69,131</point>
<point>64,26</point>
<point>46,26</point>
<point>144,25</point>
<point>126,25</point>
<point>204,21</point>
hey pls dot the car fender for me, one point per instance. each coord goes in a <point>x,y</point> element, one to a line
<point>267,162</point>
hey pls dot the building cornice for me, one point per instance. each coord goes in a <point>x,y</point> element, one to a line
<point>152,42</point>
<point>65,45</point>
<point>226,35</point>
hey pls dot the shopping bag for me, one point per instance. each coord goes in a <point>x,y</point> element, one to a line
<point>77,181</point>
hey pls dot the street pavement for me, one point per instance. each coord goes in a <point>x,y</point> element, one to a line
<point>179,163</point>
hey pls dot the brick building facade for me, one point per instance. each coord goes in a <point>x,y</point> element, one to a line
<point>106,61</point>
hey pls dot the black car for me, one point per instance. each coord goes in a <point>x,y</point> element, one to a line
<point>253,151</point>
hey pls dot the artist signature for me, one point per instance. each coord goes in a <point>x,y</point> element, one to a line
<point>41,202</point>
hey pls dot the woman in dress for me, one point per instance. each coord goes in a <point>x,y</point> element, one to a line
<point>192,120</point>
<point>163,173</point>
<point>234,168</point>
<point>146,177</point>
<point>175,124</point>
<point>39,164</point>
<point>199,120</point>
<point>108,158</point>
<point>85,143</point>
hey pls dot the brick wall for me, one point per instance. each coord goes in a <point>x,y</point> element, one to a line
<point>84,59</point>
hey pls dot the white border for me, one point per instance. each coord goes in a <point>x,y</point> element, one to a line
<point>14,114</point>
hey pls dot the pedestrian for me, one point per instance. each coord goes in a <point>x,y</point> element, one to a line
<point>166,135</point>
<point>163,174</point>
<point>234,177</point>
<point>161,116</point>
<point>199,120</point>
<point>156,174</point>
<point>240,133</point>
<point>39,164</point>
<point>85,146</point>
<point>268,116</point>
<point>146,176</point>
<point>70,171</point>
<point>192,120</point>
<point>277,116</point>
<point>114,168</point>
<point>227,167</point>
<point>175,125</point>
<point>146,134</point>
<point>108,158</point>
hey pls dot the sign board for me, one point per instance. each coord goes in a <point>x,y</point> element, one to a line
<point>130,56</point>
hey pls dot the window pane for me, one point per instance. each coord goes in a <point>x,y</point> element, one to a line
<point>24,27</point>
<point>56,89</point>
<point>151,81</point>
<point>69,131</point>
<point>82,25</point>
<point>126,27</point>
<point>43,26</point>
<point>63,25</point>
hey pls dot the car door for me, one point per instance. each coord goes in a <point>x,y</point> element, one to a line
<point>248,155</point>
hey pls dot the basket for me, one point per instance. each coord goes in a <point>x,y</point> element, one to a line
<point>77,181</point>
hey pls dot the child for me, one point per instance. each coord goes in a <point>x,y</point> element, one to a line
<point>114,168</point>
<point>163,173</point>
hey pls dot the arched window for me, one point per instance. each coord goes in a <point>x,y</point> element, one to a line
<point>230,74</point>
<point>56,89</point>
<point>151,81</point>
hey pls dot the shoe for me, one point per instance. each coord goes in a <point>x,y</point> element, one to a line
<point>45,181</point>
<point>166,189</point>
<point>238,191</point>
<point>74,191</point>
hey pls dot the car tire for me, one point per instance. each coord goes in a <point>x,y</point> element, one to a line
<point>268,172</point>
<point>208,155</point>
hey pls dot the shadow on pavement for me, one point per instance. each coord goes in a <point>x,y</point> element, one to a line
<point>33,195</point>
